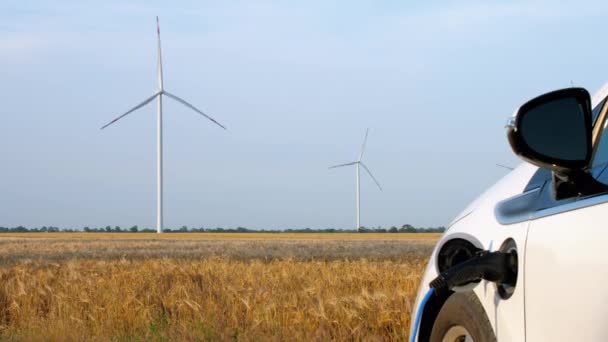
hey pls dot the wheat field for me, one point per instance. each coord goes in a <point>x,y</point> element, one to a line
<point>205,287</point>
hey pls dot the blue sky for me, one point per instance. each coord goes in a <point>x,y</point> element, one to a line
<point>297,84</point>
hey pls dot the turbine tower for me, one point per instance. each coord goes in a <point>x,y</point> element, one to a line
<point>158,95</point>
<point>359,163</point>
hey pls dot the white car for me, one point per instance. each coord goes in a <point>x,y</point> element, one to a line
<point>525,261</point>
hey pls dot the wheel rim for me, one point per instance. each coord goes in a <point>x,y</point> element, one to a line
<point>457,333</point>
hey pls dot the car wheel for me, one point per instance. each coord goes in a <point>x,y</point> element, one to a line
<point>462,319</point>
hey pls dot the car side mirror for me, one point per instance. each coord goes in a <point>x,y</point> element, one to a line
<point>553,130</point>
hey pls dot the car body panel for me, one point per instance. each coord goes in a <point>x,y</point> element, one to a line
<point>566,299</point>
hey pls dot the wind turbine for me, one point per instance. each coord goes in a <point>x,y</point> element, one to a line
<point>359,163</point>
<point>158,95</point>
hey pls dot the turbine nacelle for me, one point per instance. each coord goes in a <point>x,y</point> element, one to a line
<point>166,93</point>
<point>364,168</point>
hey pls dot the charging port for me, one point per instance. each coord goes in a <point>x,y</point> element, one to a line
<point>499,267</point>
<point>454,252</point>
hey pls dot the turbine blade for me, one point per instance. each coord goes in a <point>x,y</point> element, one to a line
<point>160,57</point>
<point>148,100</point>
<point>506,167</point>
<point>193,108</point>
<point>363,146</point>
<point>370,174</point>
<point>340,165</point>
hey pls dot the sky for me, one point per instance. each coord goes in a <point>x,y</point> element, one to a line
<point>296,83</point>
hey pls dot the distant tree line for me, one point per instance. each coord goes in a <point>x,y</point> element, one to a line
<point>406,228</point>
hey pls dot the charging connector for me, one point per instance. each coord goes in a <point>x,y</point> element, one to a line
<point>498,267</point>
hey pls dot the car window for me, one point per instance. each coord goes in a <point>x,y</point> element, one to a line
<point>601,149</point>
<point>538,179</point>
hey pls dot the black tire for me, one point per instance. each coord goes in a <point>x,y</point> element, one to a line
<point>462,312</point>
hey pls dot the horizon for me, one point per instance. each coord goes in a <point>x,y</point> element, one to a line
<point>107,228</point>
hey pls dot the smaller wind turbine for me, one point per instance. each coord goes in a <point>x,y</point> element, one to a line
<point>358,163</point>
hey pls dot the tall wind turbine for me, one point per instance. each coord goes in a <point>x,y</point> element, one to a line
<point>158,95</point>
<point>359,163</point>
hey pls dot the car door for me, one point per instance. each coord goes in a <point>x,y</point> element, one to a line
<point>566,261</point>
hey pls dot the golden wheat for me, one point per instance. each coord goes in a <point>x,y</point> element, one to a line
<point>206,298</point>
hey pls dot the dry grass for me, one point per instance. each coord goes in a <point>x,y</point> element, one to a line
<point>171,289</point>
